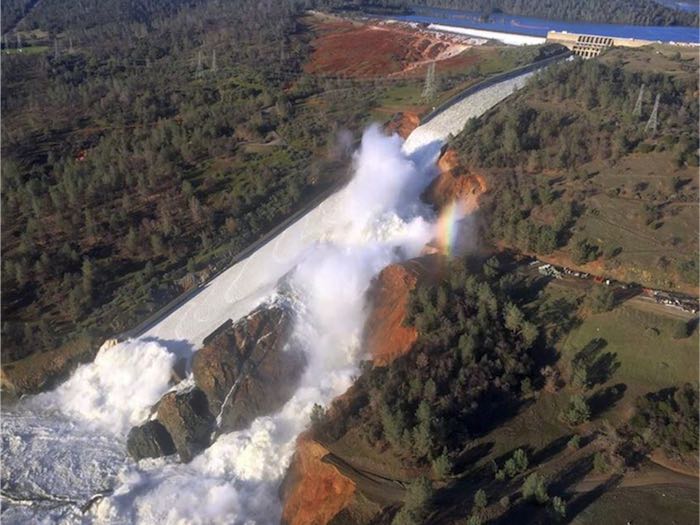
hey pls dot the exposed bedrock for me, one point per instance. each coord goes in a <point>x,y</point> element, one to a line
<point>454,183</point>
<point>248,371</point>
<point>150,440</point>
<point>186,417</point>
<point>244,370</point>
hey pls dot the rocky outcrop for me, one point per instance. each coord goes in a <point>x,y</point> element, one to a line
<point>313,492</point>
<point>150,440</point>
<point>243,371</point>
<point>186,417</point>
<point>386,335</point>
<point>43,371</point>
<point>402,123</point>
<point>246,371</point>
<point>453,183</point>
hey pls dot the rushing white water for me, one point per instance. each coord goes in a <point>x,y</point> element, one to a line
<point>64,446</point>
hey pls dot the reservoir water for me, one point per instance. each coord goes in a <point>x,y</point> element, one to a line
<point>539,26</point>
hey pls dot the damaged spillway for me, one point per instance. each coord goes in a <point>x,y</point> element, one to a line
<point>214,445</point>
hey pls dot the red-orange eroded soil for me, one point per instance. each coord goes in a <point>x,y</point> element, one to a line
<point>455,183</point>
<point>386,336</point>
<point>351,49</point>
<point>402,123</point>
<point>314,491</point>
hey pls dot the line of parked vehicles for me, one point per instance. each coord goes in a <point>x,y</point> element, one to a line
<point>671,299</point>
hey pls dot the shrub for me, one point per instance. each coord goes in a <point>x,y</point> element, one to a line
<point>600,463</point>
<point>583,251</point>
<point>416,503</point>
<point>480,499</point>
<point>516,464</point>
<point>535,488</point>
<point>558,508</point>
<point>575,442</point>
<point>442,466</point>
<point>577,412</point>
<point>601,299</point>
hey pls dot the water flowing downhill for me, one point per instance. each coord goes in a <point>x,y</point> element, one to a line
<point>61,448</point>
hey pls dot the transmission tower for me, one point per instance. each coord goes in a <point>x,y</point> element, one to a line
<point>652,123</point>
<point>429,90</point>
<point>213,60</point>
<point>198,72</point>
<point>638,106</point>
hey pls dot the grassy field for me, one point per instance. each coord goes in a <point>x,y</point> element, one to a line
<point>640,341</point>
<point>453,76</point>
<point>650,358</point>
<point>617,216</point>
<point>642,506</point>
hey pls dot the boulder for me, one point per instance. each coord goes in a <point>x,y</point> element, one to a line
<point>150,440</point>
<point>186,417</point>
<point>246,371</point>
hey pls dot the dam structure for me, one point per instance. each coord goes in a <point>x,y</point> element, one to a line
<point>237,290</point>
<point>589,46</point>
<point>321,265</point>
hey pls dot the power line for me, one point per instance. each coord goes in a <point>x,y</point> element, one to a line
<point>638,106</point>
<point>429,90</point>
<point>653,119</point>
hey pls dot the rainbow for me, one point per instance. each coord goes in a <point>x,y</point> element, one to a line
<point>448,226</point>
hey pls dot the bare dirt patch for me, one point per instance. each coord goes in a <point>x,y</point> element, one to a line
<point>355,50</point>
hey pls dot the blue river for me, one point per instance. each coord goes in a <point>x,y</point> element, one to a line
<point>538,26</point>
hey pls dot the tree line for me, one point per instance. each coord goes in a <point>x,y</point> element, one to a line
<point>134,154</point>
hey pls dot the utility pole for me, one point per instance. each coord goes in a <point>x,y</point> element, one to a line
<point>429,90</point>
<point>653,119</point>
<point>638,106</point>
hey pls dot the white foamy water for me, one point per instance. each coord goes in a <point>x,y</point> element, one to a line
<point>62,447</point>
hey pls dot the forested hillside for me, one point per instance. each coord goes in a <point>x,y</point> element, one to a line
<point>142,142</point>
<point>515,392</point>
<point>576,170</point>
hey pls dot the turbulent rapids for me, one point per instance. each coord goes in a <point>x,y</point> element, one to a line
<point>64,453</point>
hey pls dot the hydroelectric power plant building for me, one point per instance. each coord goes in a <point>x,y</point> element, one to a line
<point>588,46</point>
